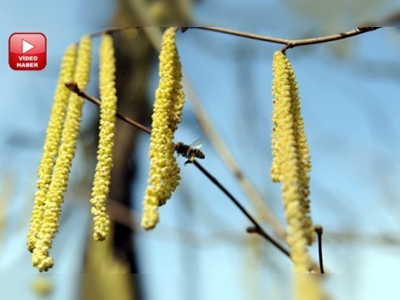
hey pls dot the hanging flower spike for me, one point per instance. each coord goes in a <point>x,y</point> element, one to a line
<point>168,106</point>
<point>276,116</point>
<point>108,110</point>
<point>55,195</point>
<point>303,153</point>
<point>52,143</point>
<point>289,165</point>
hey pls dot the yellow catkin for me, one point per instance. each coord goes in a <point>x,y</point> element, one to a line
<point>52,143</point>
<point>168,105</point>
<point>303,153</point>
<point>309,287</point>
<point>290,164</point>
<point>276,115</point>
<point>55,195</point>
<point>108,110</point>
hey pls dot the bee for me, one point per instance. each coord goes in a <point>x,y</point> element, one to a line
<point>191,151</point>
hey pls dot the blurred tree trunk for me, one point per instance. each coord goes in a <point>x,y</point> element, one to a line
<point>134,54</point>
<point>134,59</point>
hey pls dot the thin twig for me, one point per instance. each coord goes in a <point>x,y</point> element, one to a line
<point>292,43</point>
<point>265,213</point>
<point>111,30</point>
<point>247,35</point>
<point>227,157</point>
<point>73,86</point>
<point>319,231</point>
<point>257,226</point>
<point>287,42</point>
<point>123,214</point>
<point>329,38</point>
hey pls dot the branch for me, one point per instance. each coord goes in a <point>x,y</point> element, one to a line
<point>329,38</point>
<point>153,34</point>
<point>225,154</point>
<point>227,157</point>
<point>319,231</point>
<point>257,226</point>
<point>73,86</point>
<point>291,43</point>
<point>247,35</point>
<point>111,30</point>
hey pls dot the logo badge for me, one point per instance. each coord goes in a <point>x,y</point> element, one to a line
<point>27,51</point>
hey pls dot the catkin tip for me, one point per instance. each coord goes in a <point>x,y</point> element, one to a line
<point>150,217</point>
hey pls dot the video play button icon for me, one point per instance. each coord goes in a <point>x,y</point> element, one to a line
<point>26,46</point>
<point>27,51</point>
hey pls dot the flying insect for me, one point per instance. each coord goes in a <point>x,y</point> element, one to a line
<point>190,151</point>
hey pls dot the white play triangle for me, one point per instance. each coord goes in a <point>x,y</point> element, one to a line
<point>26,46</point>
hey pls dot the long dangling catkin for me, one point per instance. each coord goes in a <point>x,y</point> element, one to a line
<point>303,153</point>
<point>58,185</point>
<point>104,165</point>
<point>52,143</point>
<point>168,105</point>
<point>291,160</point>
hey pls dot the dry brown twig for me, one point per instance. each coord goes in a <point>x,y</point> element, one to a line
<point>73,86</point>
<point>291,43</point>
<point>222,150</point>
<point>155,37</point>
<point>217,142</point>
<point>227,157</point>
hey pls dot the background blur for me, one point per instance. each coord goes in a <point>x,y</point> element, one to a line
<point>200,250</point>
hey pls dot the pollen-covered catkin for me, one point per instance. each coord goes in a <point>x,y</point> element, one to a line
<point>168,106</point>
<point>276,115</point>
<point>58,185</point>
<point>291,162</point>
<point>52,143</point>
<point>303,153</point>
<point>108,109</point>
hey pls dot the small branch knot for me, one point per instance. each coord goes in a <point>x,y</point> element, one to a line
<point>318,229</point>
<point>73,86</point>
<point>252,229</point>
<point>289,45</point>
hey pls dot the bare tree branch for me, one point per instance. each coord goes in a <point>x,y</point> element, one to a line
<point>291,43</point>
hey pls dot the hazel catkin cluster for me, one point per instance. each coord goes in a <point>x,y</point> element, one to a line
<point>291,160</point>
<point>50,196</point>
<point>52,143</point>
<point>168,105</point>
<point>60,144</point>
